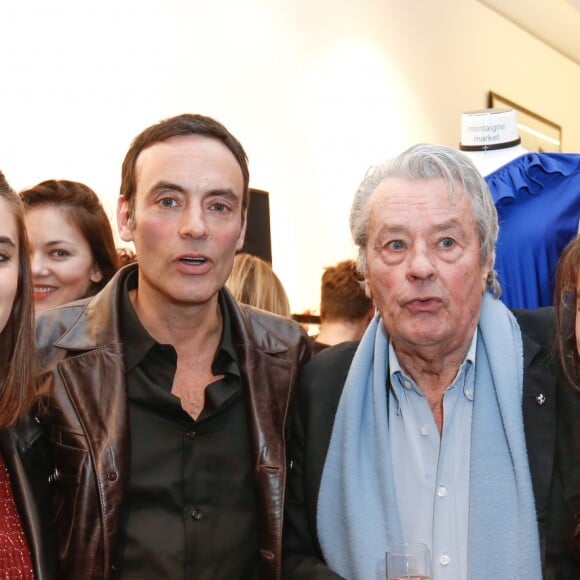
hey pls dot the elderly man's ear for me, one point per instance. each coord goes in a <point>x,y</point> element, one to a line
<point>368,292</point>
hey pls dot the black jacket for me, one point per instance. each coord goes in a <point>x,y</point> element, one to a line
<point>552,424</point>
<point>25,451</point>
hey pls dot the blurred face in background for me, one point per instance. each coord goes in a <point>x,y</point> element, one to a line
<point>63,268</point>
<point>8,261</point>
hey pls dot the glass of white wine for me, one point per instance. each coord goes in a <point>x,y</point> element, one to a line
<point>408,561</point>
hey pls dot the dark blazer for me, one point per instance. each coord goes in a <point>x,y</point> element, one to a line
<point>552,424</point>
<point>25,451</point>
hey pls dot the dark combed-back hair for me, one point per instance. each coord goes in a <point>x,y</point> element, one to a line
<point>342,295</point>
<point>86,212</point>
<point>17,354</point>
<point>565,301</point>
<point>181,126</point>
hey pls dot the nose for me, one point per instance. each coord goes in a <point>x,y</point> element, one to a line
<point>38,264</point>
<point>193,223</point>
<point>420,263</point>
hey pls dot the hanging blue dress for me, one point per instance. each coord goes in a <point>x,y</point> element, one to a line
<point>537,196</point>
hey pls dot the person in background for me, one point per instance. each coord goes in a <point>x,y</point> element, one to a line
<point>450,423</point>
<point>253,282</point>
<point>345,309</point>
<point>72,247</point>
<point>567,302</point>
<point>25,534</point>
<point>126,256</point>
<point>169,398</point>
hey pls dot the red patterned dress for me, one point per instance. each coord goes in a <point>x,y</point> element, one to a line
<point>15,559</point>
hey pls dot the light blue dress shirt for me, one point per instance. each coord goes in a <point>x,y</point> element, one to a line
<point>432,471</point>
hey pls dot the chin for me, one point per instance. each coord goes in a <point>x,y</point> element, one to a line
<point>49,302</point>
<point>192,299</point>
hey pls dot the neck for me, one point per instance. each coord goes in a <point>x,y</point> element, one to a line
<point>430,368</point>
<point>197,325</point>
<point>489,161</point>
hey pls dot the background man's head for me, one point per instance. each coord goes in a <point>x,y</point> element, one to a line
<point>342,295</point>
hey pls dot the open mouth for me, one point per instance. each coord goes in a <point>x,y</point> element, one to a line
<point>193,260</point>
<point>44,289</point>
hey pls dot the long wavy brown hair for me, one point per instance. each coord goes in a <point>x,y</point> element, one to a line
<point>18,389</point>
<point>565,301</point>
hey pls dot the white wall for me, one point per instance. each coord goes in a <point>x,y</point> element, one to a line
<point>315,90</point>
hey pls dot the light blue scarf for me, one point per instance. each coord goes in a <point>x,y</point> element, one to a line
<point>357,508</point>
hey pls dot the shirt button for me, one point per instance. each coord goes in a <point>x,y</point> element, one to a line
<point>54,476</point>
<point>196,513</point>
<point>112,476</point>
<point>424,431</point>
<point>190,434</point>
<point>407,384</point>
<point>442,491</point>
<point>445,559</point>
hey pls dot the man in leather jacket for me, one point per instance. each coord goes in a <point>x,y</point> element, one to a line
<point>169,399</point>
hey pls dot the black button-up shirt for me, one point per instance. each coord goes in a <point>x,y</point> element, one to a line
<point>190,509</point>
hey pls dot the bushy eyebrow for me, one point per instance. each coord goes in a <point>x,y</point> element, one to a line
<point>448,225</point>
<point>225,193</point>
<point>166,185</point>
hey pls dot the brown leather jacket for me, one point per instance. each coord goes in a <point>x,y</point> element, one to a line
<point>81,354</point>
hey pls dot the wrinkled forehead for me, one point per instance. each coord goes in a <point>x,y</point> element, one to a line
<point>420,195</point>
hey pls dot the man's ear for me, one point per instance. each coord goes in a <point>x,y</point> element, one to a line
<point>242,237</point>
<point>485,271</point>
<point>368,291</point>
<point>124,220</point>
